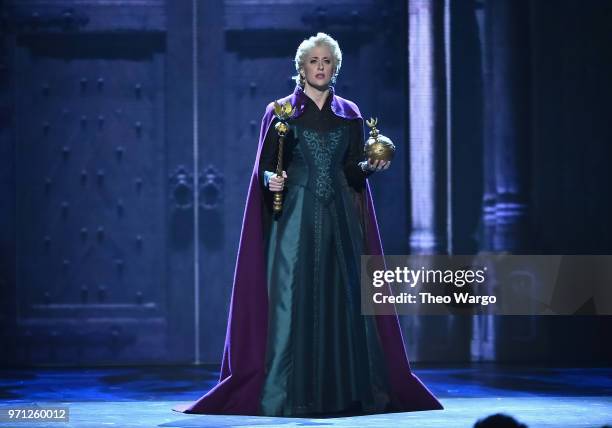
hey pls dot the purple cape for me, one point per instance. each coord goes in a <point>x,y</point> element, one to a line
<point>240,384</point>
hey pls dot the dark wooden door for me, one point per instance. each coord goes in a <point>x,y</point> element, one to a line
<point>259,41</point>
<point>102,215</point>
<point>134,135</point>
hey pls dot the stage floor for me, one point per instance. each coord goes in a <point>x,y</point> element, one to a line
<point>143,397</point>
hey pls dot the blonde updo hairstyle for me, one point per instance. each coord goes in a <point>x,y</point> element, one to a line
<point>321,39</point>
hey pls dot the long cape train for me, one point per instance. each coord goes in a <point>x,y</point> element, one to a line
<point>243,366</point>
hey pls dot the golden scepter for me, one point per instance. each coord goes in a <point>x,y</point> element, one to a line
<point>282,113</point>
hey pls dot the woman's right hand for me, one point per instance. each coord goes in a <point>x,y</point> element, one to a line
<point>277,182</point>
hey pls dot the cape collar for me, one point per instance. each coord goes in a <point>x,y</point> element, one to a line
<point>338,105</point>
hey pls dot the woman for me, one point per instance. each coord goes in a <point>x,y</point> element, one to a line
<point>296,342</point>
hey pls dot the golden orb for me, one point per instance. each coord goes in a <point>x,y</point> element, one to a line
<point>378,147</point>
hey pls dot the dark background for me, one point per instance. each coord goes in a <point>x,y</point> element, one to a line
<point>128,134</point>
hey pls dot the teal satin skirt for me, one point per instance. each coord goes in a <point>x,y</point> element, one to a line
<point>323,356</point>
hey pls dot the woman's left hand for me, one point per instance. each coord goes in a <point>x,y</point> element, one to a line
<point>378,165</point>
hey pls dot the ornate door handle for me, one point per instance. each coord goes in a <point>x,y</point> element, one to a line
<point>211,189</point>
<point>181,185</point>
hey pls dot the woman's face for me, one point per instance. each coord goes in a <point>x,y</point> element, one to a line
<point>318,67</point>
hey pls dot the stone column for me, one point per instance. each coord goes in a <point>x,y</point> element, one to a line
<point>427,126</point>
<point>507,125</point>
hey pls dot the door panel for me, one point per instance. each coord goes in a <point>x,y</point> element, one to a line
<point>100,271</point>
<point>256,68</point>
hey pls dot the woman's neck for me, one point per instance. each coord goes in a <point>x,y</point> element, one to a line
<point>317,95</point>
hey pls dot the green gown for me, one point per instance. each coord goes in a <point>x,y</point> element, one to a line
<point>323,356</point>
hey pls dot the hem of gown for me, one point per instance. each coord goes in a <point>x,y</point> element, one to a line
<point>354,410</point>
